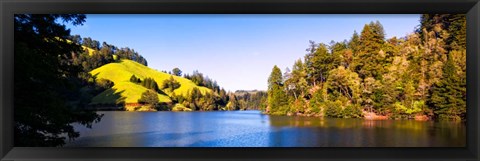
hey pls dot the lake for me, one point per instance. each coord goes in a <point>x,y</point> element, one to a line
<point>253,129</point>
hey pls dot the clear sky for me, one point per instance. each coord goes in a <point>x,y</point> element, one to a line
<point>238,51</point>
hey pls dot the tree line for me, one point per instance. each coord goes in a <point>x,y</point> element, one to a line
<point>218,99</point>
<point>102,54</point>
<point>195,100</point>
<point>421,74</point>
<point>251,100</point>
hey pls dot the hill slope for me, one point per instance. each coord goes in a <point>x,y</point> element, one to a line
<point>120,73</point>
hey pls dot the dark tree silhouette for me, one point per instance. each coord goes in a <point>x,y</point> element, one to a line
<point>47,86</point>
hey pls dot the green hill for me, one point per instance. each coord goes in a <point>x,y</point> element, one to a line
<point>128,92</point>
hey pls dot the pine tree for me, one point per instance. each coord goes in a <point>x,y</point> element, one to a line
<point>354,43</point>
<point>275,78</point>
<point>448,97</point>
<point>277,98</point>
<point>453,24</point>
<point>369,59</point>
<point>458,32</point>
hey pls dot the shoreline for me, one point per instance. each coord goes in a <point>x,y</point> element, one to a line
<point>366,115</point>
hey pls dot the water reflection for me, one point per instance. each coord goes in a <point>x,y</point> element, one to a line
<point>253,129</point>
<point>367,133</point>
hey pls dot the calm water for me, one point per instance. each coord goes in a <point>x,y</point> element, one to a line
<point>253,129</point>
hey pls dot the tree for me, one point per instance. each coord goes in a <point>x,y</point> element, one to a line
<point>43,62</point>
<point>318,64</point>
<point>76,39</point>
<point>193,99</point>
<point>149,97</point>
<point>370,58</point>
<point>343,82</point>
<point>432,58</point>
<point>449,94</point>
<point>233,103</point>
<point>347,58</point>
<point>223,100</point>
<point>453,24</point>
<point>378,31</point>
<point>134,79</point>
<point>354,42</point>
<point>337,52</point>
<point>275,77</point>
<point>277,98</point>
<point>458,32</point>
<point>398,83</point>
<point>150,83</point>
<point>297,84</point>
<point>371,94</point>
<point>171,84</point>
<point>88,42</point>
<point>316,102</point>
<point>197,78</point>
<point>177,72</point>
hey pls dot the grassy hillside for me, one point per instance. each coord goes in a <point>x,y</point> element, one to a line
<point>120,74</point>
<point>89,50</point>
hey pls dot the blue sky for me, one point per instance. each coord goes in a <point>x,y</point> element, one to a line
<point>238,51</point>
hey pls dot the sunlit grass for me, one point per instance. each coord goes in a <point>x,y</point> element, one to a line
<point>89,50</point>
<point>120,74</point>
<point>180,107</point>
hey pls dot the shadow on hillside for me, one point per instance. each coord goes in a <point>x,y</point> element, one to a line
<point>162,92</point>
<point>110,99</point>
<point>95,75</point>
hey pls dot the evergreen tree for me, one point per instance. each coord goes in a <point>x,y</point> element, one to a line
<point>47,86</point>
<point>369,59</point>
<point>277,98</point>
<point>453,24</point>
<point>449,94</point>
<point>275,78</point>
<point>458,32</point>
<point>354,43</point>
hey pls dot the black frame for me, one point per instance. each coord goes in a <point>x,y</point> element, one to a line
<point>10,7</point>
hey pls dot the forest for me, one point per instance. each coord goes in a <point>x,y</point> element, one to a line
<point>419,76</point>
